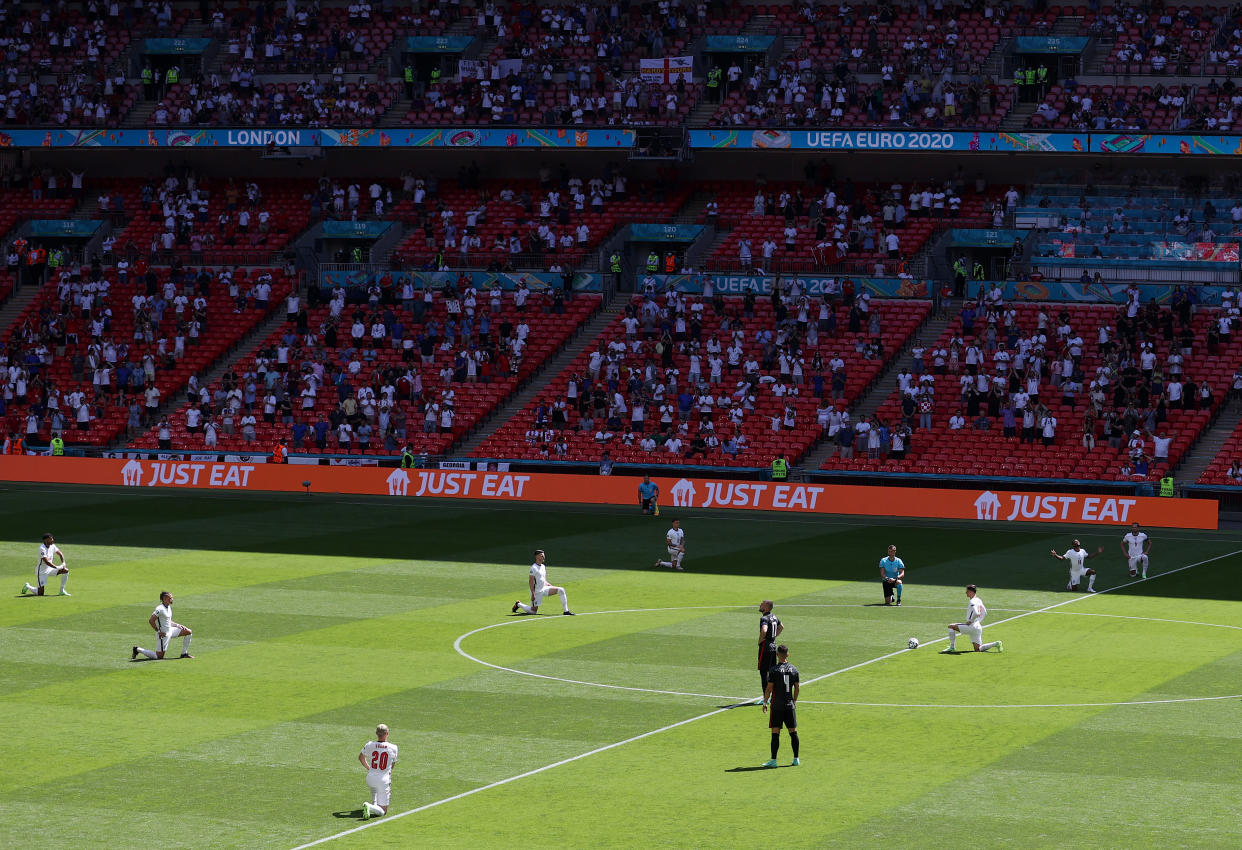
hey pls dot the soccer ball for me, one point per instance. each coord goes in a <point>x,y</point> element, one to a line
<point>913,643</point>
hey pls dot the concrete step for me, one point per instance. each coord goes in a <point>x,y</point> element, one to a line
<point>882,387</point>
<point>1209,444</point>
<point>553,367</point>
<point>13,306</point>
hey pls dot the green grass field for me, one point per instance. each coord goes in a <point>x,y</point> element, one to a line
<point>1109,721</point>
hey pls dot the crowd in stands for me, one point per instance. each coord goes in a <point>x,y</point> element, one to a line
<point>244,100</point>
<point>1120,392</point>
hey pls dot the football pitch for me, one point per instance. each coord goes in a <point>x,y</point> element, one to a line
<point>1110,720</point>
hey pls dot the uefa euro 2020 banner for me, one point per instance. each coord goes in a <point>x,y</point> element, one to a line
<point>992,506</point>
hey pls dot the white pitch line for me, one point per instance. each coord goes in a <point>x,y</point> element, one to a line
<point>1019,705</point>
<point>712,713</point>
<point>1148,619</point>
<point>499,782</point>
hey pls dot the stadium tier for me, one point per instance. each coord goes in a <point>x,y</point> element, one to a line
<point>95,356</point>
<point>1226,468</point>
<point>1001,431</point>
<point>640,381</point>
<point>368,379</point>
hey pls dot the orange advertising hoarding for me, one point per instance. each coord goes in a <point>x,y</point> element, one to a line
<point>988,505</point>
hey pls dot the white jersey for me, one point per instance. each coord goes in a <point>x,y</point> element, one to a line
<point>163,617</point>
<point>380,757</point>
<point>1076,558</point>
<point>675,537</point>
<point>540,572</point>
<point>975,611</point>
<point>50,553</point>
<point>1134,543</point>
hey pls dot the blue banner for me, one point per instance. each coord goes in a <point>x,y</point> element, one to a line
<point>665,232</point>
<point>1166,144</point>
<point>727,284</point>
<point>355,229</point>
<point>960,237</point>
<point>1091,293</point>
<point>437,43</point>
<point>739,43</point>
<point>890,140</point>
<point>71,228</point>
<point>255,137</point>
<point>173,46</point>
<point>1051,44</point>
<point>535,281</point>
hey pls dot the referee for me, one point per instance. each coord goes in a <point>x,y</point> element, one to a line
<point>781,695</point>
<point>770,627</point>
<point>648,494</point>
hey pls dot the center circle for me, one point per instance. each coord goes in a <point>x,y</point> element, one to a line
<point>741,700</point>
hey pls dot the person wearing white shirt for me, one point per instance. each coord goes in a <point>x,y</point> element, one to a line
<point>161,620</point>
<point>972,629</point>
<point>1077,558</point>
<point>47,566</point>
<point>957,422</point>
<point>539,588</point>
<point>675,540</point>
<point>378,757</point>
<point>1049,426</point>
<point>1136,545</point>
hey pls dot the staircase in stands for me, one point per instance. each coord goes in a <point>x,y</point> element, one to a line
<point>1205,450</point>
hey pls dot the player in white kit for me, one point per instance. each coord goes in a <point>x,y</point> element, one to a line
<point>165,629</point>
<point>675,540</point>
<point>1077,557</point>
<point>539,588</point>
<point>47,566</point>
<point>378,757</point>
<point>972,629</point>
<point>1136,544</point>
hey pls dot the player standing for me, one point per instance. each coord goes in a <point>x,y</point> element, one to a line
<point>539,588</point>
<point>166,629</point>
<point>47,566</point>
<point>1077,557</point>
<point>1136,544</point>
<point>973,627</point>
<point>781,694</point>
<point>892,571</point>
<point>770,627</point>
<point>378,757</point>
<point>675,539</point>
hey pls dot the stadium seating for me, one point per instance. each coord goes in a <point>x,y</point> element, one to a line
<point>899,320</point>
<point>471,401</point>
<point>224,324</point>
<point>941,450</point>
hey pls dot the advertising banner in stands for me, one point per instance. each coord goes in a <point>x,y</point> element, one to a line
<point>739,43</point>
<point>1109,293</point>
<point>334,229</point>
<point>889,140</point>
<point>665,232</point>
<point>726,284</point>
<point>535,281</point>
<point>65,227</point>
<point>292,137</point>
<point>1201,252</point>
<point>667,69</point>
<point>965,237</point>
<point>437,43</point>
<point>986,505</point>
<point>1166,144</point>
<point>174,46</point>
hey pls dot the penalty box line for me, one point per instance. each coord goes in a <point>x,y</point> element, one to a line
<point>500,782</point>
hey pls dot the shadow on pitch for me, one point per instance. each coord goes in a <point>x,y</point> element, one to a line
<point>752,768</point>
<point>352,814</point>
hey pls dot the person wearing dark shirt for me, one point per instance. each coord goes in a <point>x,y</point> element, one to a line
<point>770,627</point>
<point>781,696</point>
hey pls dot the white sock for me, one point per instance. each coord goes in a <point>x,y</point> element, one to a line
<point>185,645</point>
<point>985,647</point>
<point>64,579</point>
<point>666,564</point>
<point>525,608</point>
<point>952,639</point>
<point>564,599</point>
<point>149,653</point>
<point>1090,582</point>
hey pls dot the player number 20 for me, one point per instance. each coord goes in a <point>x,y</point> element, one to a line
<point>379,761</point>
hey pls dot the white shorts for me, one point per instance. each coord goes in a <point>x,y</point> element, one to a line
<point>381,788</point>
<point>971,632</point>
<point>1136,560</point>
<point>675,554</point>
<point>42,573</point>
<point>163,642</point>
<point>541,592</point>
<point>1076,573</point>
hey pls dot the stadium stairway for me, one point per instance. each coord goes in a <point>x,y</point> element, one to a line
<point>550,369</point>
<point>882,387</point>
<point>1196,461</point>
<point>15,305</point>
